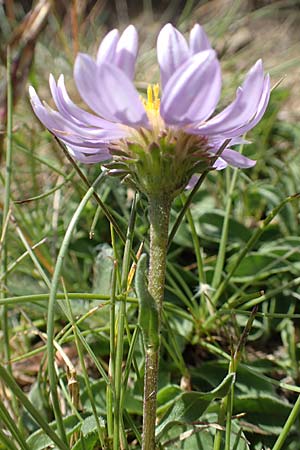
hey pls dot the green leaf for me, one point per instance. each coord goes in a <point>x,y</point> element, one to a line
<point>37,398</point>
<point>256,265</point>
<point>248,381</point>
<point>189,406</point>
<point>211,223</point>
<point>89,434</point>
<point>99,395</point>
<point>267,412</point>
<point>40,440</point>
<point>166,397</point>
<point>203,439</point>
<point>148,313</point>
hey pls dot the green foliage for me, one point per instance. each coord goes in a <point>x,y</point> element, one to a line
<point>148,314</point>
<point>188,407</point>
<point>214,280</point>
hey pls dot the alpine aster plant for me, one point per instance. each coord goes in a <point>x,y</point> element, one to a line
<point>159,143</point>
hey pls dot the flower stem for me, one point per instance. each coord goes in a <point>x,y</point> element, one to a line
<point>159,215</point>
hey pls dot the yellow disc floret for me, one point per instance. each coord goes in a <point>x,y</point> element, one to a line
<point>153,101</point>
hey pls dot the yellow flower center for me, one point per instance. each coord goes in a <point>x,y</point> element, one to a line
<point>153,101</point>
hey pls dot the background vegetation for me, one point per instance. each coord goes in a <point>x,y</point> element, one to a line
<point>232,296</point>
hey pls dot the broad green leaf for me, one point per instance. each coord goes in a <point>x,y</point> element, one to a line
<point>202,438</point>
<point>248,381</point>
<point>166,396</point>
<point>89,434</point>
<point>36,396</point>
<point>168,393</point>
<point>189,406</point>
<point>99,395</point>
<point>39,440</point>
<point>267,412</point>
<point>265,262</point>
<point>210,226</point>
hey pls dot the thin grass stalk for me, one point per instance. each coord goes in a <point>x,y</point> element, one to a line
<point>47,193</point>
<point>178,292</point>
<point>94,222</point>
<point>6,203</point>
<point>294,414</point>
<point>90,352</point>
<point>133,427</point>
<point>69,400</point>
<point>116,257</point>
<point>100,430</point>
<point>74,26</point>
<point>221,422</point>
<point>20,146</point>
<point>193,193</point>
<point>252,241</point>
<point>131,360</point>
<point>52,303</point>
<point>224,236</point>
<point>106,211</point>
<point>12,427</point>
<point>120,331</point>
<point>17,261</point>
<point>3,234</point>
<point>5,440</point>
<point>33,257</point>
<point>179,280</point>
<point>110,390</point>
<point>23,399</point>
<point>199,259</point>
<point>176,353</point>
<point>233,366</point>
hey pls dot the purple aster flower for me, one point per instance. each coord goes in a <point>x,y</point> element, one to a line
<point>155,141</point>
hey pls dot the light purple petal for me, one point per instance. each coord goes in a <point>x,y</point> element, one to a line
<point>229,156</point>
<point>242,110</point>
<point>193,181</point>
<point>235,159</point>
<point>87,83</point>
<point>109,92</point>
<point>220,164</point>
<point>217,141</point>
<point>121,96</point>
<point>172,52</point>
<point>193,92</point>
<point>198,40</point>
<point>126,51</point>
<point>262,106</point>
<point>87,158</point>
<point>70,132</point>
<point>120,51</point>
<point>64,103</point>
<point>107,48</point>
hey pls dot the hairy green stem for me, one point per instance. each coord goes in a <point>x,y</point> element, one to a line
<point>159,215</point>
